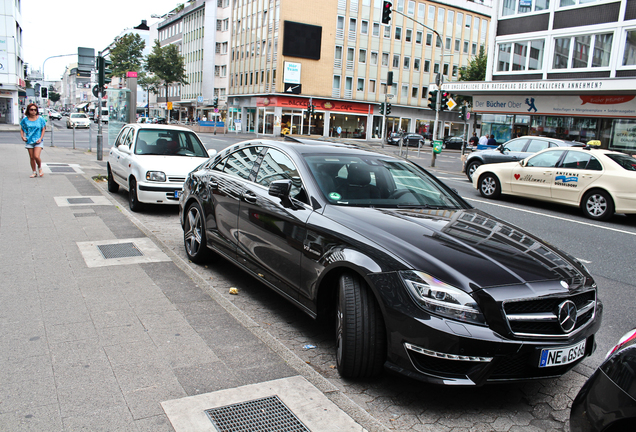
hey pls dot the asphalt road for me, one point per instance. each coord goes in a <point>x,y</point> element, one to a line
<point>402,404</point>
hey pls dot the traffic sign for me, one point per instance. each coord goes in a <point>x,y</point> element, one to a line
<point>293,88</point>
<point>200,99</point>
<point>169,106</point>
<point>451,103</point>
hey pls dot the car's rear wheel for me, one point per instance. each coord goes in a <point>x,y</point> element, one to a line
<point>133,199</point>
<point>112,184</point>
<point>360,332</point>
<point>194,234</point>
<point>597,205</point>
<point>471,168</point>
<point>489,186</point>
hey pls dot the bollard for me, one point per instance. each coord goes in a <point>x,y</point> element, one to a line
<point>73,136</point>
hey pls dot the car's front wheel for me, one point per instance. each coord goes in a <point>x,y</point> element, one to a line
<point>471,168</point>
<point>489,186</point>
<point>194,234</point>
<point>360,332</point>
<point>112,184</point>
<point>133,199</point>
<point>598,205</point>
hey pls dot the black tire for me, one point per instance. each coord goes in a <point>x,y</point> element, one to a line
<point>489,186</point>
<point>133,199</point>
<point>112,184</point>
<point>360,332</point>
<point>597,205</point>
<point>194,234</point>
<point>471,168</point>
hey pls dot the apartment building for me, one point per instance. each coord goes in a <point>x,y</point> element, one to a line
<point>12,66</point>
<point>336,54</point>
<point>205,54</point>
<point>562,69</point>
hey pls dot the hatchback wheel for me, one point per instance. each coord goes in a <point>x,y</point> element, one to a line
<point>597,205</point>
<point>360,332</point>
<point>489,186</point>
<point>194,234</point>
<point>133,199</point>
<point>112,184</point>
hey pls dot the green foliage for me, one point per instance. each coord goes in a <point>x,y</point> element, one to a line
<point>167,64</point>
<point>127,54</point>
<point>149,83</point>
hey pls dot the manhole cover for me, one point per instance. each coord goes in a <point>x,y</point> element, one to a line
<point>119,250</point>
<point>80,201</point>
<point>56,164</point>
<point>267,414</point>
<point>61,169</point>
<point>83,214</point>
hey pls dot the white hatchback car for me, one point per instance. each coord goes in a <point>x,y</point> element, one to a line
<point>78,120</point>
<point>152,162</point>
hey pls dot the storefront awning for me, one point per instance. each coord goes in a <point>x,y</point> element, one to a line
<point>81,106</point>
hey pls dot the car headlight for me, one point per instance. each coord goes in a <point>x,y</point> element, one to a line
<point>157,176</point>
<point>442,299</point>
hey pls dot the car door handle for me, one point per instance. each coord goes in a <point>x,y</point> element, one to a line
<point>249,197</point>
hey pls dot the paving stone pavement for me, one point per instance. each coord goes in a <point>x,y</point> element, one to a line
<point>394,403</point>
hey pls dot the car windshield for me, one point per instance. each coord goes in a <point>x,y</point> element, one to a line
<point>374,181</point>
<point>79,116</point>
<point>169,143</point>
<point>625,161</point>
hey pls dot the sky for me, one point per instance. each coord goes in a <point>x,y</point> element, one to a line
<point>51,28</point>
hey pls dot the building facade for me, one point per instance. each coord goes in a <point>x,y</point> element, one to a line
<point>565,69</point>
<point>12,66</point>
<point>336,55</point>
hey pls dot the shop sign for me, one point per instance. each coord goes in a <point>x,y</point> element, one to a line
<point>624,136</point>
<point>572,86</point>
<point>580,106</point>
<point>321,105</point>
<point>291,73</point>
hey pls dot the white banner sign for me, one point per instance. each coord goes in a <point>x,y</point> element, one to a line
<point>291,73</point>
<point>579,106</point>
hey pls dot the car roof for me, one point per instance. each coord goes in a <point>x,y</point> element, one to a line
<point>547,139</point>
<point>306,147</point>
<point>158,126</point>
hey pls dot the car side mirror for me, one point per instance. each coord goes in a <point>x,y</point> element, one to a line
<point>281,189</point>
<point>502,149</point>
<point>523,162</point>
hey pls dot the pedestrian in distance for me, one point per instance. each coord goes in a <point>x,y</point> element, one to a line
<point>32,128</point>
<point>473,140</point>
<point>492,141</point>
<point>483,140</point>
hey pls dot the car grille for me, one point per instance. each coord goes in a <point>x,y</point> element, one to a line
<point>176,179</point>
<point>538,317</point>
<point>520,366</point>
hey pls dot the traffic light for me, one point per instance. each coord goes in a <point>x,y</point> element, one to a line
<point>444,101</point>
<point>386,12</point>
<point>389,79</point>
<point>388,109</point>
<point>462,113</point>
<point>432,100</point>
<point>44,92</point>
<point>382,108</point>
<point>216,102</point>
<point>103,72</point>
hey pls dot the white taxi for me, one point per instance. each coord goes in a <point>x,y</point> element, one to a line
<point>152,161</point>
<point>600,182</point>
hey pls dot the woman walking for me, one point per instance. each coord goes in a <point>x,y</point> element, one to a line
<point>32,131</point>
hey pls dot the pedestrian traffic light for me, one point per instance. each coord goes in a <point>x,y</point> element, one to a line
<point>103,72</point>
<point>432,100</point>
<point>388,108</point>
<point>386,12</point>
<point>462,113</point>
<point>44,93</point>
<point>382,108</point>
<point>216,102</point>
<point>444,101</point>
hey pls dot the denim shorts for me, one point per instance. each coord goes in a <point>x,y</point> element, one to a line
<point>33,145</point>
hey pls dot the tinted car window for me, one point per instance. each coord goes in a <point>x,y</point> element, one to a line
<point>546,160</point>
<point>240,162</point>
<point>575,160</point>
<point>122,136</point>
<point>277,166</point>
<point>627,162</point>
<point>594,164</point>
<point>536,145</point>
<point>516,145</point>
<point>128,139</point>
<point>169,142</point>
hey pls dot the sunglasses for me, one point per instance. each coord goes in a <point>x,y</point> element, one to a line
<point>32,109</point>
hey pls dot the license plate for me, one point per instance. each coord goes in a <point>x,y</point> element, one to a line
<point>562,356</point>
<point>176,194</point>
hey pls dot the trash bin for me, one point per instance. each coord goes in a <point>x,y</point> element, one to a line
<point>437,146</point>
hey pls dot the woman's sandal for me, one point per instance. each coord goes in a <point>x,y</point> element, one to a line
<point>41,173</point>
<point>35,174</point>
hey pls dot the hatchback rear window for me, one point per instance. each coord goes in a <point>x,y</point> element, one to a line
<point>625,161</point>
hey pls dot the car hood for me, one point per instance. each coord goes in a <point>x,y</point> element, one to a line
<point>466,247</point>
<point>170,165</point>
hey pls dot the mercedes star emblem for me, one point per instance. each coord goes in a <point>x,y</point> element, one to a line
<point>567,315</point>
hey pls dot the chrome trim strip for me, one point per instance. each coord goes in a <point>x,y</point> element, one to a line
<point>535,317</point>
<point>586,308</point>
<point>444,356</point>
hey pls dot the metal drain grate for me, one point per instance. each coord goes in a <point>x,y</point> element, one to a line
<point>119,250</point>
<point>56,164</point>
<point>80,200</point>
<point>267,414</point>
<point>62,169</point>
<point>83,214</point>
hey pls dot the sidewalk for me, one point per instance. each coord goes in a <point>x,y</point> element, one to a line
<point>106,329</point>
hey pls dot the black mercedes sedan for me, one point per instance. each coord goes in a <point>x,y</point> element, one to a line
<point>415,279</point>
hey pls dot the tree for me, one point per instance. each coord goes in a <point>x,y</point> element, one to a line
<point>475,71</point>
<point>127,54</point>
<point>167,64</point>
<point>53,95</point>
<point>150,83</point>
